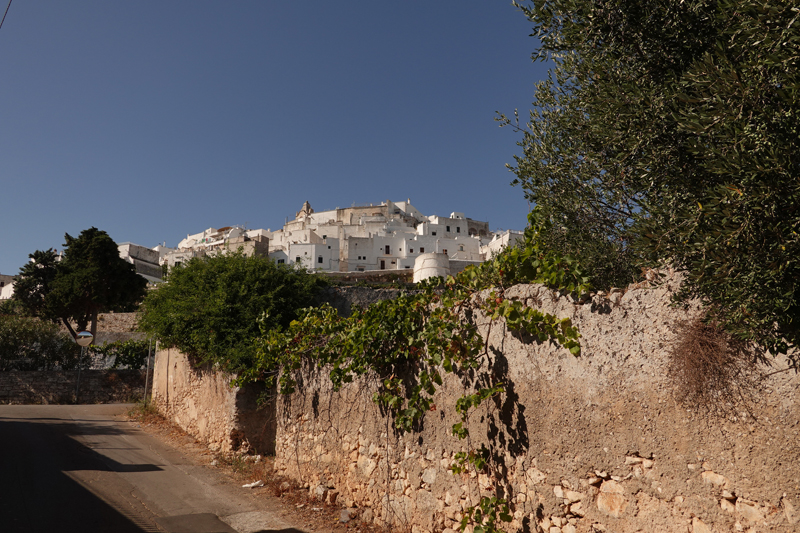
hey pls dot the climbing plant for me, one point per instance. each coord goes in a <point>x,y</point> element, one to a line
<point>406,344</point>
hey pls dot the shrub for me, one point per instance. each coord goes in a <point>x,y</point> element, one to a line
<point>130,354</point>
<point>31,344</point>
<point>211,308</point>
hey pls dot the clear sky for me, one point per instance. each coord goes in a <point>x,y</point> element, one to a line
<point>152,120</point>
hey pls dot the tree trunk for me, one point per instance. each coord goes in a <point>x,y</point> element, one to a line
<point>94,324</point>
<point>69,327</point>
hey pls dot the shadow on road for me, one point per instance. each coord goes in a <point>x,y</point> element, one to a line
<point>50,482</point>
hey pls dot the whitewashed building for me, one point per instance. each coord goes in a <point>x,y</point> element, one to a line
<point>144,260</point>
<point>388,236</point>
<point>6,287</point>
<point>213,241</point>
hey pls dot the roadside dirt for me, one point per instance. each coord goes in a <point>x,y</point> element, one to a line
<point>285,499</point>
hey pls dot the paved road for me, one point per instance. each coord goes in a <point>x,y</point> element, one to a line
<point>77,469</point>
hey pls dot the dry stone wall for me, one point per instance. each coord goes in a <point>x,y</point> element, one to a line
<point>579,444</point>
<point>58,386</point>
<point>205,404</point>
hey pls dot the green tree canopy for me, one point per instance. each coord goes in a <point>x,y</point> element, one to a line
<point>212,308</point>
<point>90,278</point>
<point>668,133</point>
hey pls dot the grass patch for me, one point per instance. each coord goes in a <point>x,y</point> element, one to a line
<point>145,413</point>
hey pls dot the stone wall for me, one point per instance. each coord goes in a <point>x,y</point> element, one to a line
<point>371,276</point>
<point>204,404</point>
<point>579,444</point>
<point>344,298</point>
<point>58,387</point>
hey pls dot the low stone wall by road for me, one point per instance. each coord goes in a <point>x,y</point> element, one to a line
<point>595,443</point>
<point>201,401</point>
<point>58,387</point>
<point>204,404</point>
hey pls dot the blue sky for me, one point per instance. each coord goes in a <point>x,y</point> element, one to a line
<point>152,120</point>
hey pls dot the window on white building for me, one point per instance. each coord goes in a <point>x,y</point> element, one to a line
<point>280,261</point>
<point>458,230</point>
<point>421,250</point>
<point>319,259</point>
<point>386,248</point>
<point>448,229</point>
<point>297,259</point>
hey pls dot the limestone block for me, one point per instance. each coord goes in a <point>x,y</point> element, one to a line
<point>534,476</point>
<point>749,510</point>
<point>332,496</point>
<point>699,527</point>
<point>612,500</point>
<point>429,476</point>
<point>366,465</point>
<point>727,506</point>
<point>715,479</point>
<point>788,510</point>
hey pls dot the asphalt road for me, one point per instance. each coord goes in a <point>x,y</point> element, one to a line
<point>78,469</point>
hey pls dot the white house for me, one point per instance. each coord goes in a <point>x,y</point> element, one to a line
<point>388,236</point>
<point>6,287</point>
<point>213,241</point>
<point>145,260</point>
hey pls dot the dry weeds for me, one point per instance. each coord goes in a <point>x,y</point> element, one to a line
<point>713,372</point>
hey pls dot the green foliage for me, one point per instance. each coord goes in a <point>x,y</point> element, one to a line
<point>532,262</point>
<point>130,354</point>
<point>31,344</point>
<point>11,307</point>
<point>406,344</point>
<point>90,278</point>
<point>211,308</point>
<point>405,341</point>
<point>668,132</point>
<point>485,515</point>
<point>34,284</point>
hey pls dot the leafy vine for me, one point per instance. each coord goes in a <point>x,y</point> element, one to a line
<point>407,342</point>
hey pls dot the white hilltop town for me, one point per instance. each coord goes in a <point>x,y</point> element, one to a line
<point>385,236</point>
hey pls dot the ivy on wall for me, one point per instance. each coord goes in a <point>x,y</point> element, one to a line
<point>406,344</point>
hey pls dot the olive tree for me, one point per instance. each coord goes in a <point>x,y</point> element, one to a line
<point>667,132</point>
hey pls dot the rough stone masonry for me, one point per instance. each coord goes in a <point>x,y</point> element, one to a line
<point>581,444</point>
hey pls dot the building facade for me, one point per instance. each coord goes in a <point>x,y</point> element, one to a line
<point>388,236</point>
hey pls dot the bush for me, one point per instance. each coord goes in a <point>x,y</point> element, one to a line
<point>131,354</point>
<point>211,308</point>
<point>31,344</point>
